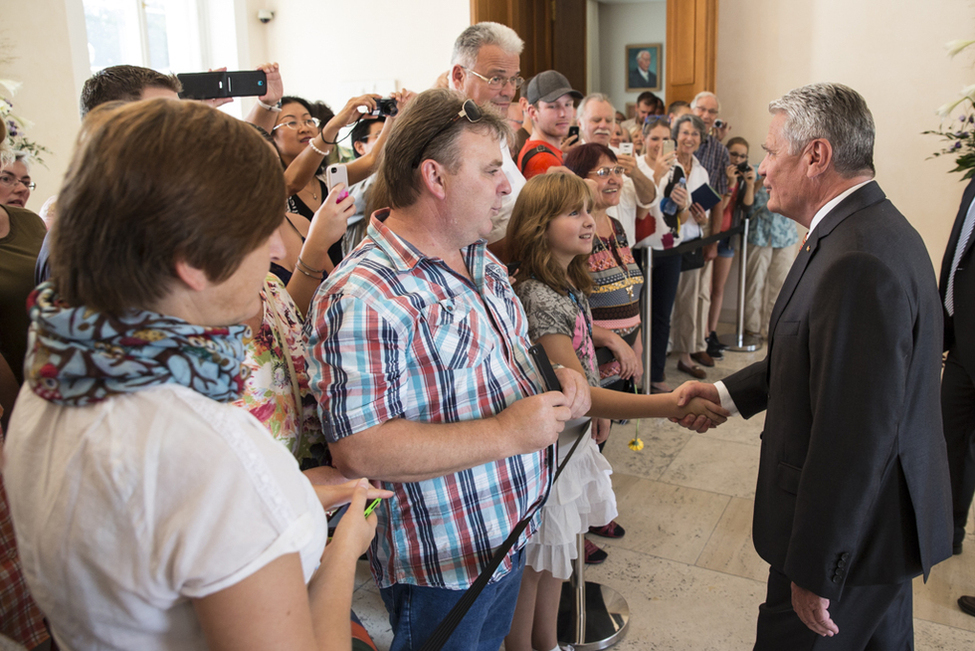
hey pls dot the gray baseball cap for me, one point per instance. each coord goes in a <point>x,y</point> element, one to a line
<point>548,86</point>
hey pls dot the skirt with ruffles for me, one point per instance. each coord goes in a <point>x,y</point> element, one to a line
<point>581,498</point>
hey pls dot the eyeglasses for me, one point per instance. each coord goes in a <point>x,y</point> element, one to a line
<point>603,172</point>
<point>732,154</point>
<point>294,125</point>
<point>9,181</point>
<point>469,110</point>
<point>498,82</point>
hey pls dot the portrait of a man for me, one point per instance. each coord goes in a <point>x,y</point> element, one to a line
<point>643,67</point>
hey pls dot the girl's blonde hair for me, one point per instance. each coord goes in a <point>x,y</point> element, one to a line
<point>544,198</point>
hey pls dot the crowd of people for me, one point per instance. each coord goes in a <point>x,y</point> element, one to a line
<point>224,353</point>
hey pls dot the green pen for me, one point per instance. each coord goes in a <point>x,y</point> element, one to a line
<point>372,507</point>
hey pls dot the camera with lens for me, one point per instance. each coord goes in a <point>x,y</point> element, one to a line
<point>386,106</point>
<point>743,167</point>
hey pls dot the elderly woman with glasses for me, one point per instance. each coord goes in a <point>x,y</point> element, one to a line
<point>21,235</point>
<point>687,323</point>
<point>131,481</point>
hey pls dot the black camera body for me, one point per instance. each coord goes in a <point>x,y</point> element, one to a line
<point>386,106</point>
<point>744,167</point>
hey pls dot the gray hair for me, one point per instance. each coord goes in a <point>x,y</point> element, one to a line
<point>835,113</point>
<point>695,121</point>
<point>472,39</point>
<point>593,97</point>
<point>702,95</point>
<point>10,156</point>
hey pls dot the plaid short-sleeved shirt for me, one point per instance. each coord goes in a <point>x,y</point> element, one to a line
<point>714,158</point>
<point>396,334</point>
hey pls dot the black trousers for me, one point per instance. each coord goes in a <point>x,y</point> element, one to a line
<point>958,411</point>
<point>663,292</point>
<point>870,618</point>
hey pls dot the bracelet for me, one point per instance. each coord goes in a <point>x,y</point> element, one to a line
<point>297,268</point>
<point>309,268</point>
<point>311,143</point>
<point>269,107</point>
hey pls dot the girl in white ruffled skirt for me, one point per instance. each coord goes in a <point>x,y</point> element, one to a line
<point>550,235</point>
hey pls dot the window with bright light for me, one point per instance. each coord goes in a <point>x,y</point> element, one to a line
<point>160,34</point>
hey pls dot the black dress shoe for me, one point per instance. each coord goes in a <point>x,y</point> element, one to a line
<point>967,604</point>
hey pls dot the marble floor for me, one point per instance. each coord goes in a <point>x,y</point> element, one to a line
<point>686,566</point>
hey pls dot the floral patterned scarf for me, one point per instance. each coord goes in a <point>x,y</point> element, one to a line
<point>77,356</point>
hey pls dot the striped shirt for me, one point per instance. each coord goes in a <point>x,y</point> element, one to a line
<point>615,298</point>
<point>394,333</point>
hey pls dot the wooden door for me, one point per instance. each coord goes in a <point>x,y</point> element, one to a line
<point>691,50</point>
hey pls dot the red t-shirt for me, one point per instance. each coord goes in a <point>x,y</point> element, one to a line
<point>541,161</point>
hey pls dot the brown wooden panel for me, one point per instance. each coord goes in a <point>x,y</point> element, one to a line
<point>569,42</point>
<point>691,47</point>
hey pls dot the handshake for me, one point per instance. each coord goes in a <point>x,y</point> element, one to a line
<point>701,405</point>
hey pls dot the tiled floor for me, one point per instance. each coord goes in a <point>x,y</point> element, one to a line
<point>686,566</point>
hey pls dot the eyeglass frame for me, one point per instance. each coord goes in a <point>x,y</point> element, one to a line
<point>11,181</point>
<point>618,170</point>
<point>498,82</point>
<point>314,121</point>
<point>469,109</point>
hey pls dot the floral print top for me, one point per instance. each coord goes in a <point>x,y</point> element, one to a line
<point>276,391</point>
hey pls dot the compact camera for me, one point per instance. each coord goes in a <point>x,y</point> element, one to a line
<point>386,106</point>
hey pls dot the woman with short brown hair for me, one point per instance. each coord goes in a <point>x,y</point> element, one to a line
<point>149,514</point>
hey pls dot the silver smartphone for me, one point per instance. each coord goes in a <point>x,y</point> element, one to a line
<point>626,148</point>
<point>669,146</point>
<point>335,174</point>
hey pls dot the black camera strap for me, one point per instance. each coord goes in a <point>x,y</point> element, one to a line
<point>449,623</point>
<point>446,627</point>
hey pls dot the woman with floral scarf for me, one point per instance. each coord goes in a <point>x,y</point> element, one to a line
<point>150,513</point>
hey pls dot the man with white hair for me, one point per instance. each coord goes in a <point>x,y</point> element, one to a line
<point>853,498</point>
<point>596,116</point>
<point>486,67</point>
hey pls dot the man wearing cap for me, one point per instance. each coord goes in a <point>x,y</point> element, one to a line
<point>551,107</point>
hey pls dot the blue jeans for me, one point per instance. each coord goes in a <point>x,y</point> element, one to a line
<point>415,611</point>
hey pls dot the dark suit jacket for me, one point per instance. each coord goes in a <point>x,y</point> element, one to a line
<point>637,81</point>
<point>964,288</point>
<point>853,478</point>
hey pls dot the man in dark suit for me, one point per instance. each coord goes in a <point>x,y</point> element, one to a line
<point>642,76</point>
<point>853,498</point>
<point>958,383</point>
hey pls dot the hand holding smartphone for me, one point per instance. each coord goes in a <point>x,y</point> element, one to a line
<point>335,174</point>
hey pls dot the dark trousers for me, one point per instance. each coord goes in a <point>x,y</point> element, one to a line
<point>870,618</point>
<point>958,411</point>
<point>663,291</point>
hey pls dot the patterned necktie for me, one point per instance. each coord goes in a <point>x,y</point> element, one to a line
<point>966,233</point>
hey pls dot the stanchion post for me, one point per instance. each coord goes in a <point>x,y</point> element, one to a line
<point>740,342</point>
<point>647,254</point>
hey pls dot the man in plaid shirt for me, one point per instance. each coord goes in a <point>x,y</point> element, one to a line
<point>419,360</point>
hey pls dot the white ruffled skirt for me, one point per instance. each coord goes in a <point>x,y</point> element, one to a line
<point>582,497</point>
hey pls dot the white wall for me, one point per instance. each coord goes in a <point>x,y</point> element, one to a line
<point>621,25</point>
<point>331,50</point>
<point>41,48</point>
<point>891,51</point>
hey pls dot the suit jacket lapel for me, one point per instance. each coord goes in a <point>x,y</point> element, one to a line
<point>865,196</point>
<point>966,202</point>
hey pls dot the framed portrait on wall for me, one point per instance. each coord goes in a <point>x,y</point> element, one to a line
<point>643,66</point>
